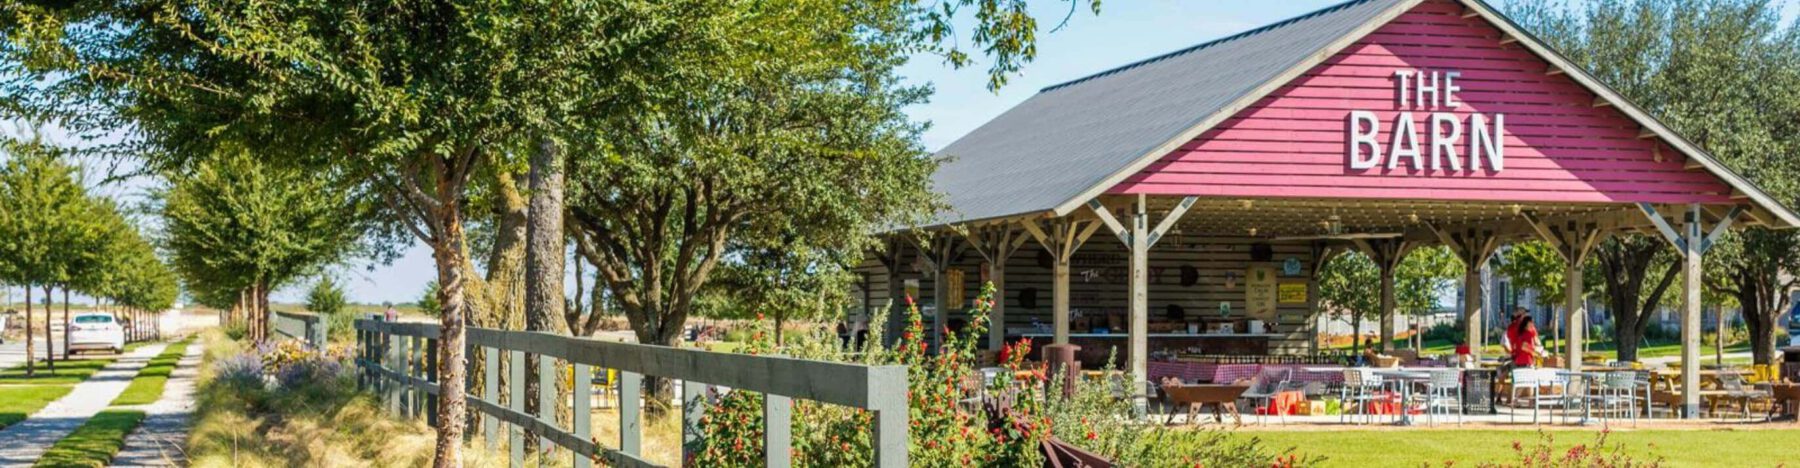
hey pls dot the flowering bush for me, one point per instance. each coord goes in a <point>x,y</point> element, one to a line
<point>1005,429</point>
<point>1544,454</point>
<point>956,420</point>
<point>242,372</point>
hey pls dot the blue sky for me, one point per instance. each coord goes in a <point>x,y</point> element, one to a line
<point>1123,32</point>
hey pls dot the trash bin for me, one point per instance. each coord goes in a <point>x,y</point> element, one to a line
<point>1480,386</point>
<point>1061,359</point>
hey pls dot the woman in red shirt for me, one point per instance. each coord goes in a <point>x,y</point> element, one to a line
<point>1522,338</point>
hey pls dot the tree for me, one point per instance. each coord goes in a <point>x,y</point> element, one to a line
<point>415,98</point>
<point>1345,291</point>
<point>326,297</point>
<point>1698,65</point>
<point>1626,262</point>
<point>1535,266</point>
<point>236,224</point>
<point>42,207</point>
<point>1424,277</point>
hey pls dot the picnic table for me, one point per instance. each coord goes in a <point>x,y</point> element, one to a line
<point>1196,396</point>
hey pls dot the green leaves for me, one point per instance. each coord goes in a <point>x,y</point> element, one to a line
<point>52,232</point>
<point>236,222</point>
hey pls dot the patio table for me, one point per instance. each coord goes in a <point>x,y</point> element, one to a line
<point>1408,378</point>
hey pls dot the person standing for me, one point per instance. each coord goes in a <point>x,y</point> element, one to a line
<point>1521,341</point>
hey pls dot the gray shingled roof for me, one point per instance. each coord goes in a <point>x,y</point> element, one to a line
<point>1069,137</point>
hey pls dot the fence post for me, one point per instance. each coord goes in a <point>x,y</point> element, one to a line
<point>431,374</point>
<point>362,372</point>
<point>583,393</point>
<point>887,388</point>
<point>408,396</point>
<point>693,405</point>
<point>778,425</point>
<point>515,385</point>
<point>393,363</point>
<point>631,424</point>
<point>417,368</point>
<point>548,405</point>
<point>490,384</point>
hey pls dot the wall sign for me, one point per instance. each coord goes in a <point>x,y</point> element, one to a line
<point>1291,266</point>
<point>1292,293</point>
<point>1260,292</point>
<point>1443,132</point>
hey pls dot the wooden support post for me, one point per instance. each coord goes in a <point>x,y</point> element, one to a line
<point>631,421</point>
<point>1140,302</point>
<point>1387,254</point>
<point>515,399</point>
<point>583,390</point>
<point>997,244</point>
<point>1577,311</point>
<point>490,391</point>
<point>1063,238</point>
<point>1322,253</point>
<point>778,426</point>
<point>1691,258</point>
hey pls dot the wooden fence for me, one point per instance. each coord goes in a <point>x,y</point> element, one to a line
<point>399,362</point>
<point>309,328</point>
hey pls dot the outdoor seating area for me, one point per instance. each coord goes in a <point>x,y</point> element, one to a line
<point>1428,392</point>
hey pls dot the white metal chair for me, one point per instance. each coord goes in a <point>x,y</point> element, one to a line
<point>1736,389</point>
<point>1443,392</point>
<point>1534,382</point>
<point>1362,387</point>
<point>1617,394</point>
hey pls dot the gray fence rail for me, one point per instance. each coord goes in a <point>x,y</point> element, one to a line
<point>309,328</point>
<point>399,362</point>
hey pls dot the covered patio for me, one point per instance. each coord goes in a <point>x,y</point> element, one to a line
<point>1177,208</point>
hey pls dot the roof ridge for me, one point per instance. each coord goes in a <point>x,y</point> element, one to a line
<point>1203,45</point>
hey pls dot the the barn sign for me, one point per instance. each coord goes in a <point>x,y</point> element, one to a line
<point>1429,144</point>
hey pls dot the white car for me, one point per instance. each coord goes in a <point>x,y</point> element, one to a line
<point>95,332</point>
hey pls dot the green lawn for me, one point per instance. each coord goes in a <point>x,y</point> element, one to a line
<point>95,442</point>
<point>1696,448</point>
<point>67,372</point>
<point>19,401</point>
<point>147,387</point>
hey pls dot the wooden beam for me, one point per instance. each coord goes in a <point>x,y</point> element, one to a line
<point>1112,223</point>
<point>1668,232</point>
<point>1543,231</point>
<point>1169,220</point>
<point>1719,229</point>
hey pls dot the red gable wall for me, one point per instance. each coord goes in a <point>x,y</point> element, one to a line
<point>1559,146</point>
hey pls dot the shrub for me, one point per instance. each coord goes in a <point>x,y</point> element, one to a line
<point>241,372</point>
<point>326,298</point>
<point>1543,454</point>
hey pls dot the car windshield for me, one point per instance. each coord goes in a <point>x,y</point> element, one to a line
<point>93,319</point>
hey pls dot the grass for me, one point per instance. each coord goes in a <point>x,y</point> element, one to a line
<point>95,442</point>
<point>147,387</point>
<point>19,401</point>
<point>1695,448</point>
<point>323,424</point>
<point>67,372</point>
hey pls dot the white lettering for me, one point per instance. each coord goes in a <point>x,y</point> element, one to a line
<point>1405,142</point>
<point>1423,89</point>
<point>1443,145</point>
<point>1483,143</point>
<point>1450,89</point>
<point>1400,78</point>
<point>1434,90</point>
<point>1358,139</point>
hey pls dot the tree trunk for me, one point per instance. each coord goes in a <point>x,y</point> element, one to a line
<point>49,339</point>
<point>447,250</point>
<point>30,348</point>
<point>263,313</point>
<point>544,251</point>
<point>65,317</point>
<point>1356,334</point>
<point>1719,337</point>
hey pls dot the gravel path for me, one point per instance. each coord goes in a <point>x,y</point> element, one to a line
<point>161,439</point>
<point>23,443</point>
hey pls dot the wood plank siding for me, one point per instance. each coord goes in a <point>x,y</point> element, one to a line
<point>1561,146</point>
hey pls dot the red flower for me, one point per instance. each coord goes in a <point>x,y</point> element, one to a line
<point>1092,436</point>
